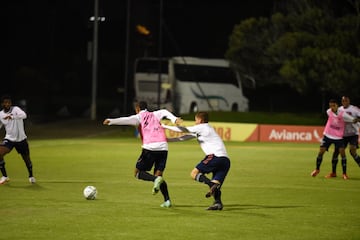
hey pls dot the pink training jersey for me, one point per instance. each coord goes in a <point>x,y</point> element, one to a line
<point>150,128</point>
<point>335,125</point>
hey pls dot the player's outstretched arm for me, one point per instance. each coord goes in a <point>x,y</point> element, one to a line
<point>182,138</point>
<point>176,128</point>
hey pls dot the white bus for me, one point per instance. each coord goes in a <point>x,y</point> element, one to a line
<point>188,84</point>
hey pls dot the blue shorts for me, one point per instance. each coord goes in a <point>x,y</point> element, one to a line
<point>326,142</point>
<point>218,166</point>
<point>149,159</point>
<point>21,147</point>
<point>352,140</point>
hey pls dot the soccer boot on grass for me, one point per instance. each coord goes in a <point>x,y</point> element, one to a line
<point>331,175</point>
<point>315,173</point>
<point>166,204</point>
<point>4,180</point>
<point>212,190</point>
<point>32,180</point>
<point>345,176</point>
<point>215,206</point>
<point>158,181</point>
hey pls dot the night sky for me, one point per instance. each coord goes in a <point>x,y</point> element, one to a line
<point>46,42</point>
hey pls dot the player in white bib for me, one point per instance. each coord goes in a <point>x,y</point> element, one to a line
<point>12,118</point>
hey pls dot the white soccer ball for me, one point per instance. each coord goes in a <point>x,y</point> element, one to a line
<point>90,192</point>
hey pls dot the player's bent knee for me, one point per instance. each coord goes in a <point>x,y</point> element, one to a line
<point>193,173</point>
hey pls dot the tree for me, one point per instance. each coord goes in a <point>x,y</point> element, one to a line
<point>304,45</point>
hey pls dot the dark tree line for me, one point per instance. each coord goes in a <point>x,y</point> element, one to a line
<point>307,45</point>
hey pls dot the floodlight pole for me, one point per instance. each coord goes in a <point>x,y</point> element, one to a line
<point>127,43</point>
<point>94,61</point>
<point>160,53</point>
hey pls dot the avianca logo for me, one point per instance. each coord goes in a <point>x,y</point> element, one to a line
<point>285,135</point>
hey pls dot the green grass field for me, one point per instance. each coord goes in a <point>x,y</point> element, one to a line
<point>268,194</point>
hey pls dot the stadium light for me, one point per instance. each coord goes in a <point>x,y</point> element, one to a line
<point>96,19</point>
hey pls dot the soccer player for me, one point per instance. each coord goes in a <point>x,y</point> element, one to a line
<point>154,145</point>
<point>12,118</point>
<point>216,160</point>
<point>333,134</point>
<point>351,135</point>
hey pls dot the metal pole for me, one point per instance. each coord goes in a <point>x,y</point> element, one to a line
<point>160,53</point>
<point>95,60</point>
<point>126,76</point>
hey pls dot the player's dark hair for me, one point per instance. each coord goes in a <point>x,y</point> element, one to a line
<point>5,97</point>
<point>204,116</point>
<point>142,105</point>
<point>333,101</point>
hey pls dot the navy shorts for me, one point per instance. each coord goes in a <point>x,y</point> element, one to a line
<point>21,147</point>
<point>352,140</point>
<point>149,159</point>
<point>326,142</point>
<point>218,166</point>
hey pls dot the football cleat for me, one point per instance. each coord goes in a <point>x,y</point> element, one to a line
<point>215,206</point>
<point>32,180</point>
<point>345,176</point>
<point>331,175</point>
<point>157,182</point>
<point>315,173</point>
<point>166,204</point>
<point>212,190</point>
<point>4,180</point>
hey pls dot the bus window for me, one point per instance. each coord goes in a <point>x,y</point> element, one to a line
<point>209,74</point>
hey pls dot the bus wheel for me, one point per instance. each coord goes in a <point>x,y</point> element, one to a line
<point>193,108</point>
<point>234,107</point>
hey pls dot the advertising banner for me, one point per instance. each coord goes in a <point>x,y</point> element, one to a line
<point>247,132</point>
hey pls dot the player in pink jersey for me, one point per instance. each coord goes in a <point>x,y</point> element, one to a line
<point>154,145</point>
<point>333,134</point>
<point>351,135</point>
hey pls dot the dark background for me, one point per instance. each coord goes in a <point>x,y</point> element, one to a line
<point>46,57</point>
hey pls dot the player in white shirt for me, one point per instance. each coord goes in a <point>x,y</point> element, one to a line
<point>12,118</point>
<point>216,160</point>
<point>351,136</point>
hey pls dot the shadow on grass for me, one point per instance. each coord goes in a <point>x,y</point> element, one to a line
<point>233,207</point>
<point>68,181</point>
<point>239,207</point>
<point>27,186</point>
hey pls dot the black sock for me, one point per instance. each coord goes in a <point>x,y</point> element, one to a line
<point>164,191</point>
<point>145,176</point>
<point>28,163</point>
<point>29,168</point>
<point>217,196</point>
<point>334,163</point>
<point>202,178</point>
<point>318,162</point>
<point>343,164</point>
<point>2,167</point>
<point>357,159</point>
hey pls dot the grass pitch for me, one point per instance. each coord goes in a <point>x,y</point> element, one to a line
<point>268,194</point>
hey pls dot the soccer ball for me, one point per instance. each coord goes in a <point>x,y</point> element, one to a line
<point>90,192</point>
